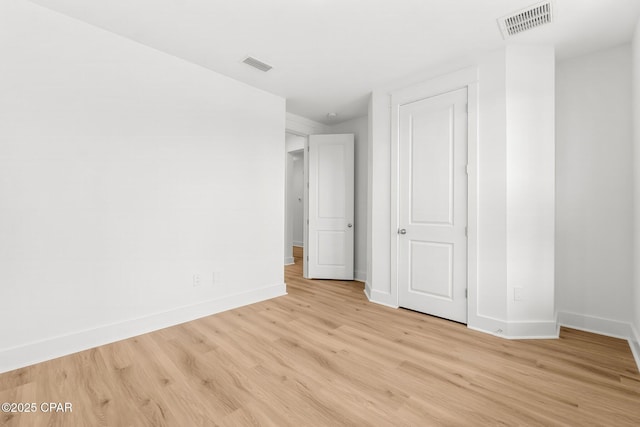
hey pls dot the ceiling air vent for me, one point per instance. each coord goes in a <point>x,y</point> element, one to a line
<point>255,63</point>
<point>525,19</point>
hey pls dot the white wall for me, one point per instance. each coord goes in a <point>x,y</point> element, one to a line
<point>378,284</point>
<point>530,88</point>
<point>299,125</point>
<point>594,196</point>
<point>124,171</point>
<point>491,292</point>
<point>636,148</point>
<point>360,128</point>
<point>507,188</point>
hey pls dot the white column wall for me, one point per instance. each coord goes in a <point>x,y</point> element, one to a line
<point>378,285</point>
<point>635,46</point>
<point>492,309</point>
<point>530,88</point>
<point>594,200</point>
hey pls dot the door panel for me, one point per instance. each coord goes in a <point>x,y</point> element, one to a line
<point>331,245</point>
<point>431,167</point>
<point>431,269</point>
<point>331,194</point>
<point>432,197</point>
<point>331,159</point>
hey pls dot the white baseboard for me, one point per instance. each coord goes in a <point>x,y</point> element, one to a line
<point>289,261</point>
<point>360,276</point>
<point>597,325</point>
<point>298,244</point>
<point>367,290</point>
<point>378,297</point>
<point>540,330</point>
<point>40,351</point>
<point>514,330</point>
<point>487,325</point>
<point>600,326</point>
<point>634,343</point>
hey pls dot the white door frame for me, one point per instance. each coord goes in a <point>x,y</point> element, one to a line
<point>468,78</point>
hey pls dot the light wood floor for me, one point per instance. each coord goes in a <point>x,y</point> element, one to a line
<point>323,355</point>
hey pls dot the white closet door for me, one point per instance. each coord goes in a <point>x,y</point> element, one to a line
<point>432,180</point>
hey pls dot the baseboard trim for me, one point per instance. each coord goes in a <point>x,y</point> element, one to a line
<point>487,325</point>
<point>360,276</point>
<point>634,343</point>
<point>540,330</point>
<point>367,290</point>
<point>381,298</point>
<point>596,325</point>
<point>40,351</point>
<point>289,261</point>
<point>298,244</point>
<point>607,327</point>
<point>514,330</point>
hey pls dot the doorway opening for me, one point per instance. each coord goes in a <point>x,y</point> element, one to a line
<point>319,204</point>
<point>294,241</point>
<point>296,203</point>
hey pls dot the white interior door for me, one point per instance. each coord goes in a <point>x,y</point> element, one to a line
<point>331,226</point>
<point>432,211</point>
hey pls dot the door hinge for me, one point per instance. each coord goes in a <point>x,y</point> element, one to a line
<point>466,293</point>
<point>307,221</point>
<point>466,108</point>
<point>466,231</point>
<point>307,185</point>
<point>467,169</point>
<point>307,257</point>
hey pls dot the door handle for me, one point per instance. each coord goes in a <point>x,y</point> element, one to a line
<point>349,225</point>
<point>402,231</point>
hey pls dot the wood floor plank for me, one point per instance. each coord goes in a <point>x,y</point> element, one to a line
<point>324,355</point>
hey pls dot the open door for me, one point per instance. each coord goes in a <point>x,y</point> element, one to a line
<point>331,226</point>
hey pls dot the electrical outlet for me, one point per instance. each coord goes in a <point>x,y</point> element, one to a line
<point>517,294</point>
<point>196,280</point>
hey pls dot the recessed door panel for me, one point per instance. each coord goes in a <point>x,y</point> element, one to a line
<point>331,179</point>
<point>431,269</point>
<point>331,246</point>
<point>431,139</point>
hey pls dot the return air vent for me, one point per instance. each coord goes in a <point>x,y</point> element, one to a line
<point>255,63</point>
<point>525,19</point>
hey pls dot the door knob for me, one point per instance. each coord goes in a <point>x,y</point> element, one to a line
<point>402,231</point>
<point>349,225</point>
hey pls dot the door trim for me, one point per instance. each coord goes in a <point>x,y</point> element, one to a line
<point>467,77</point>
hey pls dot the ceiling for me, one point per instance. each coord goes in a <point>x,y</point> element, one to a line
<point>327,55</point>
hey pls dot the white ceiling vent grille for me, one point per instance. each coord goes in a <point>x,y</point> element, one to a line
<point>255,63</point>
<point>525,19</point>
